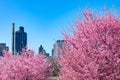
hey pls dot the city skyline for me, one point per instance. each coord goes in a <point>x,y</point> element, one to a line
<point>44,20</point>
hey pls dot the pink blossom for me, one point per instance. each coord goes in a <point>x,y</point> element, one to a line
<point>92,52</point>
<point>27,67</point>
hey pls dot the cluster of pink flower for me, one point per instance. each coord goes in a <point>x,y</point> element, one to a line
<point>24,67</point>
<point>92,52</point>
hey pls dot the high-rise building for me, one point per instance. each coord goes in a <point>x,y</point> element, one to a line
<point>20,40</point>
<point>58,45</point>
<point>42,51</point>
<point>3,47</point>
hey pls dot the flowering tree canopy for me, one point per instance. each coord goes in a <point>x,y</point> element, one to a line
<point>92,52</point>
<point>24,67</point>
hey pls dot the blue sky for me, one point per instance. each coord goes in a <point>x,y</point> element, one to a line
<point>44,20</point>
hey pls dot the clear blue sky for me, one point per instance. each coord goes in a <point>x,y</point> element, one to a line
<point>43,20</point>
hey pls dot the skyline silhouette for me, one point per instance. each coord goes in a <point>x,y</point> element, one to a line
<point>44,20</point>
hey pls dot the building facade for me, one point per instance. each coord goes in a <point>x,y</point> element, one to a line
<point>42,51</point>
<point>20,40</point>
<point>58,45</point>
<point>3,47</point>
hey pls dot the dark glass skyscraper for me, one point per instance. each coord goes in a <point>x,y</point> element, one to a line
<point>20,40</point>
<point>42,51</point>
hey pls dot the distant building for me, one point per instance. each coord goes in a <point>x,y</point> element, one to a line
<point>47,54</point>
<point>20,40</point>
<point>58,45</point>
<point>42,51</point>
<point>3,47</point>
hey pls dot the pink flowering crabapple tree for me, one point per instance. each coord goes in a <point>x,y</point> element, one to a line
<point>92,52</point>
<point>24,67</point>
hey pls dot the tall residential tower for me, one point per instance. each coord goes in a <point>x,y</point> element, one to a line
<point>20,40</point>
